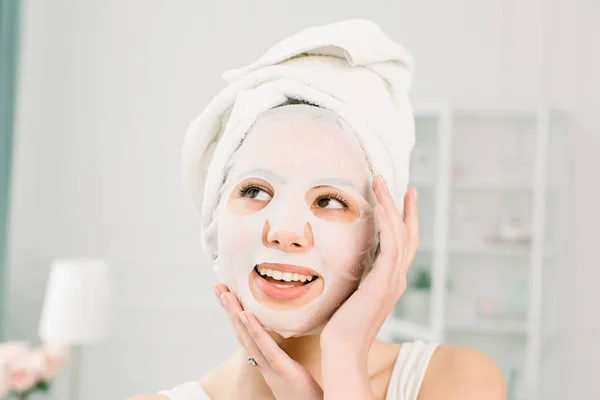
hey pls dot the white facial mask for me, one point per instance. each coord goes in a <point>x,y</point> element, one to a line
<point>295,149</point>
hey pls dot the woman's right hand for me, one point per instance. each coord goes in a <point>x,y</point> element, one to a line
<point>287,379</point>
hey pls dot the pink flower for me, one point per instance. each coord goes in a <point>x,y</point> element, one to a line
<point>55,356</point>
<point>23,371</point>
<point>21,367</point>
<point>9,351</point>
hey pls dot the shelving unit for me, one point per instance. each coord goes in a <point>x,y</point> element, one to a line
<point>489,327</point>
<point>489,185</point>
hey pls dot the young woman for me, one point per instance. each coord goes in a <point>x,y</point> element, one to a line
<point>312,250</point>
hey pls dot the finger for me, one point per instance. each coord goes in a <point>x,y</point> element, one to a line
<point>387,238</point>
<point>233,308</point>
<point>386,262</point>
<point>228,301</point>
<point>386,214</point>
<point>411,221</point>
<point>276,357</point>
<point>384,197</point>
<point>391,211</point>
<point>220,288</point>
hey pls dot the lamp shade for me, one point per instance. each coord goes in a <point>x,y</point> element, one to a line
<point>77,304</point>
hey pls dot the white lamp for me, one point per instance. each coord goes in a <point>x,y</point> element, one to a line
<point>76,308</point>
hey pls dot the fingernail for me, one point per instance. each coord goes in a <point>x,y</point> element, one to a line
<point>243,318</point>
<point>415,193</point>
<point>381,210</point>
<point>223,300</point>
<point>216,291</point>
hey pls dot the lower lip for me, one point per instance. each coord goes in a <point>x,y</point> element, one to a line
<point>283,294</point>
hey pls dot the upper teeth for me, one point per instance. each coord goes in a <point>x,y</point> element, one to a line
<point>284,276</point>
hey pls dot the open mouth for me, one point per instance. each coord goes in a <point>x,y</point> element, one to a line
<point>284,279</point>
<point>283,286</point>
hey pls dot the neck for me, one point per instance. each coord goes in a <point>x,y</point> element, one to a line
<point>305,350</point>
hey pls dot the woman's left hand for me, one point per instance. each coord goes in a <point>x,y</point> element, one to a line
<point>352,329</point>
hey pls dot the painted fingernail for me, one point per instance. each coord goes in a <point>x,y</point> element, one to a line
<point>223,300</point>
<point>243,318</point>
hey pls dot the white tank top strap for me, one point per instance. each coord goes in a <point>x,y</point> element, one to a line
<point>409,370</point>
<point>186,391</point>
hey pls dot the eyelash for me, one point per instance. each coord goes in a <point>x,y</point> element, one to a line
<point>333,195</point>
<point>330,195</point>
<point>248,186</point>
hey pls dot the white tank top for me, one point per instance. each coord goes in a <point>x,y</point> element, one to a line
<point>405,382</point>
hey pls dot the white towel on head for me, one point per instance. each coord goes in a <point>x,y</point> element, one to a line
<point>349,67</point>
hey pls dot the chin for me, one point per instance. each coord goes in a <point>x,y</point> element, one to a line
<point>293,309</point>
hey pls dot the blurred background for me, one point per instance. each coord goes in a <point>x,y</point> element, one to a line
<point>95,97</point>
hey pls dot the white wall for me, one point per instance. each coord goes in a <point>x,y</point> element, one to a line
<point>573,62</point>
<point>107,91</point>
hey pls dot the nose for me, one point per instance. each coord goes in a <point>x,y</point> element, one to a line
<point>286,241</point>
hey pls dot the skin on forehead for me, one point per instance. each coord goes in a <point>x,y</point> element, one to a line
<point>304,143</point>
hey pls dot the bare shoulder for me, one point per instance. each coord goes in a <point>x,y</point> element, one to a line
<point>463,373</point>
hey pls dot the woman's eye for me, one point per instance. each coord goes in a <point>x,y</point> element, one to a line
<point>257,194</point>
<point>327,202</point>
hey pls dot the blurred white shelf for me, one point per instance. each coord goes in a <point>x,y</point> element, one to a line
<point>408,330</point>
<point>490,250</point>
<point>494,327</point>
<point>452,137</point>
<point>482,250</point>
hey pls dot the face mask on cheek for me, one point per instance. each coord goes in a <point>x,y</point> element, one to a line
<point>339,253</point>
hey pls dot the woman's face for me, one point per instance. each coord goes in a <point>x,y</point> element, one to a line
<point>294,228</point>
